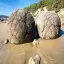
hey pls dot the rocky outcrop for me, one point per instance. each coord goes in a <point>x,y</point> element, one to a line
<point>21,27</point>
<point>48,24</point>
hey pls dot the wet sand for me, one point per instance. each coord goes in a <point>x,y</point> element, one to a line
<point>51,51</point>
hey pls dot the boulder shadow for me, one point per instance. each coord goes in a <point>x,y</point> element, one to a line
<point>61,33</point>
<point>36,36</point>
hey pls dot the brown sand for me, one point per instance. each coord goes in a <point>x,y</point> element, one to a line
<point>51,51</point>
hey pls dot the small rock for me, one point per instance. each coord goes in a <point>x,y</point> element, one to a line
<point>6,41</point>
<point>35,60</point>
<point>35,43</point>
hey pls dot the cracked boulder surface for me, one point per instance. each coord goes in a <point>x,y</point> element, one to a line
<point>48,25</point>
<point>20,27</point>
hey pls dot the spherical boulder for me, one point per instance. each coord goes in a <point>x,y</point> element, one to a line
<point>21,27</point>
<point>48,24</point>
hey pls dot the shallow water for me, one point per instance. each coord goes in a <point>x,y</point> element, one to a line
<point>50,51</point>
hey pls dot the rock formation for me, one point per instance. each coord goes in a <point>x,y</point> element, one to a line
<point>48,24</point>
<point>21,27</point>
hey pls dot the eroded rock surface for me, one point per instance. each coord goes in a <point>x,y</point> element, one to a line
<point>20,27</point>
<point>48,24</point>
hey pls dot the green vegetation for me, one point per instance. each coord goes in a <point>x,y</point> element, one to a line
<point>51,5</point>
<point>32,7</point>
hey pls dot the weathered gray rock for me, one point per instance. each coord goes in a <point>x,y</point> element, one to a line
<point>21,27</point>
<point>48,24</point>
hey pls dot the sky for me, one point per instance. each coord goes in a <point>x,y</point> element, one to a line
<point>9,6</point>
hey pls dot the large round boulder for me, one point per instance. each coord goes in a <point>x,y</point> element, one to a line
<point>21,27</point>
<point>48,24</point>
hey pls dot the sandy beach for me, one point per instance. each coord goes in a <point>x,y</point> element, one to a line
<point>51,51</point>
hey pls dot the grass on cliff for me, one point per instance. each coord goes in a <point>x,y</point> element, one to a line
<point>51,5</point>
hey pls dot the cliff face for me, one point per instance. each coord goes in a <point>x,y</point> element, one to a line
<point>61,15</point>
